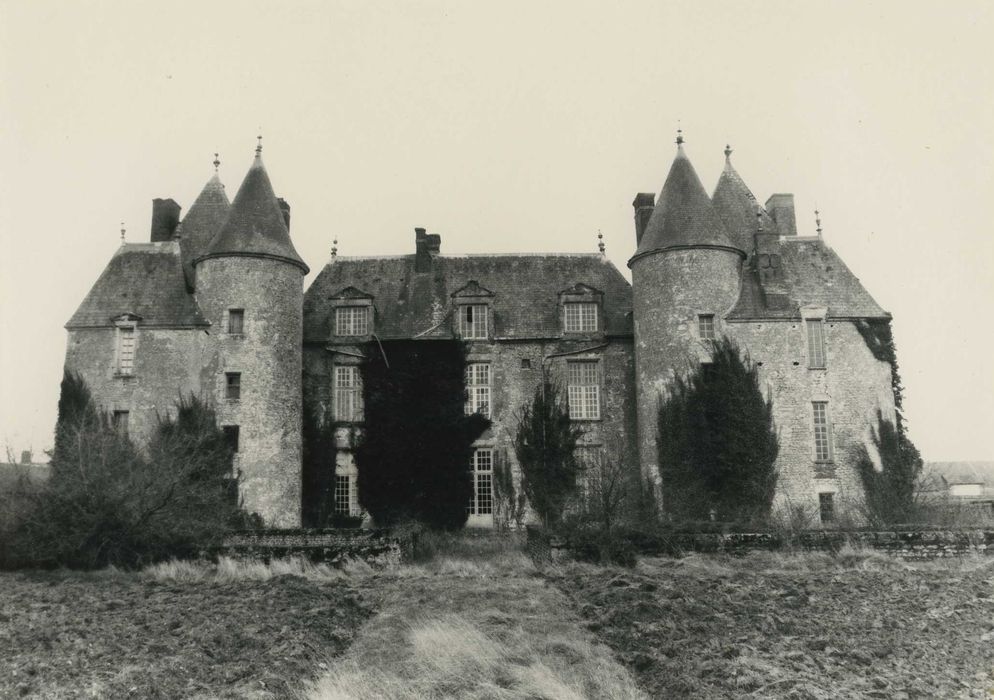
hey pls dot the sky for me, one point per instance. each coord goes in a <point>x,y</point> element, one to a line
<point>506,127</point>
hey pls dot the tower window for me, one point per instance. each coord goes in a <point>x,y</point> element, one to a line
<point>579,317</point>
<point>826,507</point>
<point>233,386</point>
<point>816,343</point>
<point>126,351</point>
<point>584,390</point>
<point>348,393</point>
<point>119,421</point>
<point>705,326</point>
<point>352,320</point>
<point>478,388</point>
<point>231,434</point>
<point>473,321</point>
<point>482,502</point>
<point>236,321</point>
<point>823,433</point>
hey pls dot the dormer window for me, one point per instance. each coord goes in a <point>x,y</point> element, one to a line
<point>580,317</point>
<point>473,321</point>
<point>352,320</point>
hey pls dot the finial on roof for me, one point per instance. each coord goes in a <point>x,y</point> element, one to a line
<point>679,136</point>
<point>600,241</point>
<point>334,248</point>
<point>217,162</point>
<point>817,222</point>
<point>728,151</point>
<point>122,233</point>
<point>258,148</point>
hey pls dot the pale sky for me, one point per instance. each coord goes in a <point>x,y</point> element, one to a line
<point>507,127</point>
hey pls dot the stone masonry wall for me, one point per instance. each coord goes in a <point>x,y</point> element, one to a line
<point>268,356</point>
<point>167,365</point>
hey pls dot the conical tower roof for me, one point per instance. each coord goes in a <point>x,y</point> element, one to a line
<point>202,223</point>
<point>255,226</point>
<point>683,216</point>
<point>737,207</point>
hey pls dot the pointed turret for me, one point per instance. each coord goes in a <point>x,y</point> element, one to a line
<point>256,226</point>
<point>737,207</point>
<point>202,223</point>
<point>683,216</point>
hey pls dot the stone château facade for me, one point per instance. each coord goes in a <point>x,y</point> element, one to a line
<point>214,305</point>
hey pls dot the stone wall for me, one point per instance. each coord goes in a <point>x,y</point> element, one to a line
<point>376,547</point>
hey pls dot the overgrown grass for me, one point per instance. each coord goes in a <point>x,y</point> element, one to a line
<point>451,657</point>
<point>229,569</point>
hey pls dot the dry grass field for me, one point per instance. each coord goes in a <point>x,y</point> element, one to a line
<point>477,620</point>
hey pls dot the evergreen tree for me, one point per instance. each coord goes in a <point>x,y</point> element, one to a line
<point>414,456</point>
<point>320,452</point>
<point>545,445</point>
<point>891,493</point>
<point>717,441</point>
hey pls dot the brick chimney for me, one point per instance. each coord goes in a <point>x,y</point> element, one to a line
<point>426,247</point>
<point>165,219</point>
<point>780,207</point>
<point>285,209</point>
<point>643,205</point>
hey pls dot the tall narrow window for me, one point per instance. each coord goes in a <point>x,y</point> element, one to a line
<point>126,350</point>
<point>233,386</point>
<point>231,436</point>
<point>119,421</point>
<point>579,317</point>
<point>483,490</point>
<point>816,343</point>
<point>236,321</point>
<point>473,321</point>
<point>826,507</point>
<point>346,501</point>
<point>705,326</point>
<point>823,433</point>
<point>352,320</point>
<point>584,390</point>
<point>348,393</point>
<point>478,388</point>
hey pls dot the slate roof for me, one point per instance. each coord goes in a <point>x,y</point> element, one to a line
<point>525,293</point>
<point>145,279</point>
<point>255,225</point>
<point>813,274</point>
<point>963,472</point>
<point>736,206</point>
<point>683,215</point>
<point>201,224</point>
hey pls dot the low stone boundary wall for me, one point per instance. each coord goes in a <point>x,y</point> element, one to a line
<point>907,544</point>
<point>376,547</point>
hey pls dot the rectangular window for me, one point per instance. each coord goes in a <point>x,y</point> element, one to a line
<point>579,317</point>
<point>705,326</point>
<point>584,389</point>
<point>119,421</point>
<point>823,433</point>
<point>478,388</point>
<point>126,351</point>
<point>233,386</point>
<point>826,507</point>
<point>483,473</point>
<point>231,436</point>
<point>345,495</point>
<point>348,393</point>
<point>236,321</point>
<point>473,321</point>
<point>352,320</point>
<point>816,344</point>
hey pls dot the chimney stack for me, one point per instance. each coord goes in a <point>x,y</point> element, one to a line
<point>285,209</point>
<point>780,207</point>
<point>426,247</point>
<point>643,205</point>
<point>165,219</point>
<point>26,457</point>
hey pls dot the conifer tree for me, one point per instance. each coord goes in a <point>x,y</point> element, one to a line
<point>891,492</point>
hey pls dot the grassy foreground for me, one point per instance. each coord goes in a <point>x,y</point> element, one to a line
<point>477,620</point>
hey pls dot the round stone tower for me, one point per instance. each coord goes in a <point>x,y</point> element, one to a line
<point>685,278</point>
<point>249,284</point>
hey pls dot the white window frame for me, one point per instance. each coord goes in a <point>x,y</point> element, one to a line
<point>478,388</point>
<point>345,496</point>
<point>347,385</point>
<point>814,331</point>
<point>707,329</point>
<point>126,349</point>
<point>352,320</point>
<point>822,432</point>
<point>473,321</point>
<point>482,503</point>
<point>580,317</point>
<point>583,388</point>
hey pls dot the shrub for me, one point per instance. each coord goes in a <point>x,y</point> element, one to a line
<point>892,492</point>
<point>319,456</point>
<point>510,506</point>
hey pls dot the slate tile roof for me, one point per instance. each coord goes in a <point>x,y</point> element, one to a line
<point>813,275</point>
<point>524,303</point>
<point>202,223</point>
<point>737,207</point>
<point>144,279</point>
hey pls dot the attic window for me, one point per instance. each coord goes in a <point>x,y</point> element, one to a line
<point>352,320</point>
<point>579,317</point>
<point>473,321</point>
